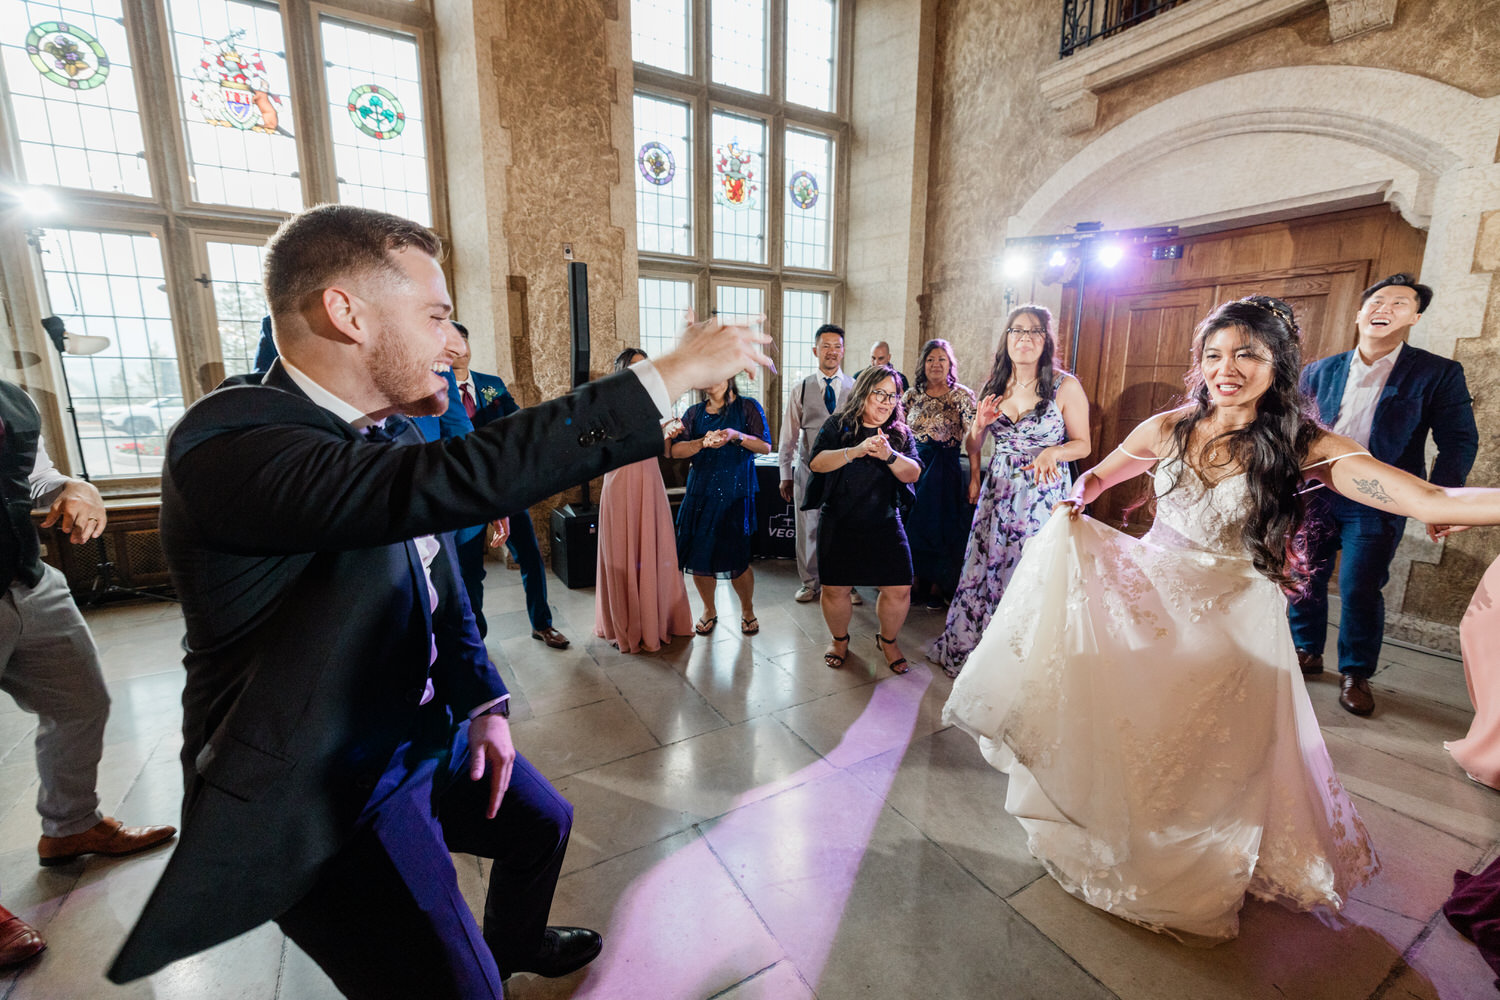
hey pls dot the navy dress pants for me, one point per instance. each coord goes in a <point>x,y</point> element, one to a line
<point>1365,540</point>
<point>386,919</point>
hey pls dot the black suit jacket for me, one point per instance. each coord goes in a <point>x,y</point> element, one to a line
<point>288,537</point>
<point>1425,393</point>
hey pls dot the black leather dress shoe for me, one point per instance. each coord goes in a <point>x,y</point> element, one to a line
<point>564,950</point>
<point>1355,695</point>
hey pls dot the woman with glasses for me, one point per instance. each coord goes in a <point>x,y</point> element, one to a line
<point>721,434</point>
<point>864,463</point>
<point>938,410</point>
<point>1038,420</point>
<point>639,600</point>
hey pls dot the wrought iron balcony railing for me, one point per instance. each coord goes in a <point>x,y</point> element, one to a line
<point>1086,21</point>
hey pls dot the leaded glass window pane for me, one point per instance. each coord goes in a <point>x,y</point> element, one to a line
<point>810,47</point>
<point>664,306</point>
<point>72,91</point>
<point>737,37</point>
<point>374,81</point>
<point>659,34</point>
<point>738,179</point>
<point>802,312</point>
<point>126,396</point>
<point>239,301</point>
<point>808,199</point>
<point>236,110</point>
<point>739,304</point>
<point>664,175</point>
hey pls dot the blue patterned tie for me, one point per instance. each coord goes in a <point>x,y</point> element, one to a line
<point>388,430</point>
<point>828,397</point>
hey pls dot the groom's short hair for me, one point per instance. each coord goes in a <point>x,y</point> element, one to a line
<point>327,243</point>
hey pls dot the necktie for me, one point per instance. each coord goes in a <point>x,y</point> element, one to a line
<point>468,398</point>
<point>828,397</point>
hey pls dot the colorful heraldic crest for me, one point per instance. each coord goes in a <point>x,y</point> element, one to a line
<point>231,88</point>
<point>657,163</point>
<point>67,55</point>
<point>803,189</point>
<point>737,186</point>
<point>376,111</point>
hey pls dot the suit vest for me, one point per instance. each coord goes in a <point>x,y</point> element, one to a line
<point>20,551</point>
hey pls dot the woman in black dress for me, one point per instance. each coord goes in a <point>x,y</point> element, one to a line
<point>864,462</point>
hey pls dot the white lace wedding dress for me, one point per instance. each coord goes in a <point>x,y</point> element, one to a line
<point>1145,698</point>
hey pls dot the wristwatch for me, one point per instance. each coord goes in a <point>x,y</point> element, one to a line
<point>892,459</point>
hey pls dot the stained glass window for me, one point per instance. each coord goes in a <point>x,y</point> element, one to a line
<point>802,312</point>
<point>810,47</point>
<point>664,304</point>
<point>739,303</point>
<point>126,396</point>
<point>236,110</point>
<point>73,94</point>
<point>808,199</point>
<point>374,82</point>
<point>664,175</point>
<point>738,188</point>
<point>239,301</point>
<point>659,34</point>
<point>737,36</point>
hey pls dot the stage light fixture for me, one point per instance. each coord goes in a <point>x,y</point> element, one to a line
<point>1015,265</point>
<point>1059,258</point>
<point>1110,254</point>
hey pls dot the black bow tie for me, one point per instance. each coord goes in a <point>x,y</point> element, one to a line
<point>388,430</point>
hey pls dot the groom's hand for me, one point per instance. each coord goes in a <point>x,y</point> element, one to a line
<point>490,749</point>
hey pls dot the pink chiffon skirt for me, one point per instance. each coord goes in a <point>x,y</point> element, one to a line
<point>640,601</point>
<point>1479,635</point>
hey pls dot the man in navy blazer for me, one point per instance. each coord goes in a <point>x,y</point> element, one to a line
<point>1388,396</point>
<point>486,399</point>
<point>343,728</point>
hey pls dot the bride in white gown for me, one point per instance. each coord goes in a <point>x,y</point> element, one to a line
<point>1144,694</point>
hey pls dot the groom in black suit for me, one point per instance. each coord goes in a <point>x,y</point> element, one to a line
<point>340,716</point>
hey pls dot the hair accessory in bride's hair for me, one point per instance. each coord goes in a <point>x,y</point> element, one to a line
<point>1276,307</point>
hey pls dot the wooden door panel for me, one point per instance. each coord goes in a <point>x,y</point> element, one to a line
<point>1324,304</point>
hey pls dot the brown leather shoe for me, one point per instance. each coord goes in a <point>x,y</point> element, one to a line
<point>1311,663</point>
<point>19,941</point>
<point>551,637</point>
<point>1355,696</point>
<point>107,836</point>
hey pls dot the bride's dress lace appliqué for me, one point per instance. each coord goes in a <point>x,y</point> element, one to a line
<point>1144,696</point>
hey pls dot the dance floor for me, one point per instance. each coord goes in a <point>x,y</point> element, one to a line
<point>753,825</point>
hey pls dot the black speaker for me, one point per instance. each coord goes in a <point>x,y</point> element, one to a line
<point>578,319</point>
<point>575,545</point>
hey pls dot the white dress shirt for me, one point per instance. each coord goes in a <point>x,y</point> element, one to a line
<point>1362,391</point>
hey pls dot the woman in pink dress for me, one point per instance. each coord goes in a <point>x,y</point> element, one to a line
<point>1479,636</point>
<point>639,599</point>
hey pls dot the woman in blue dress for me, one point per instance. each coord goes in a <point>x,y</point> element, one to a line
<point>721,435</point>
<point>1038,419</point>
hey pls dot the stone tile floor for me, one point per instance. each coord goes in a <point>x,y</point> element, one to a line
<point>752,825</point>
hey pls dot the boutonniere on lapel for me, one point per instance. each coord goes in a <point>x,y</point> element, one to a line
<point>488,395</point>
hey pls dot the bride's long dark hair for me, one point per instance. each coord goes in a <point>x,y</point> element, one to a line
<point>1271,448</point>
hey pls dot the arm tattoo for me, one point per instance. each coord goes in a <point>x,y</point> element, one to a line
<point>1372,489</point>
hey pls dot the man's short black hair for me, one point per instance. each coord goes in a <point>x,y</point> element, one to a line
<point>1424,294</point>
<point>463,331</point>
<point>828,328</point>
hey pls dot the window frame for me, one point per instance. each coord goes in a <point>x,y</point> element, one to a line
<point>705,98</point>
<point>183,224</point>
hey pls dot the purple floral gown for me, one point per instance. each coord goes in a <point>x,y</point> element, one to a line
<point>1011,509</point>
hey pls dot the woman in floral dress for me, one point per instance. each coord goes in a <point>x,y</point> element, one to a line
<point>938,410</point>
<point>1038,419</point>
